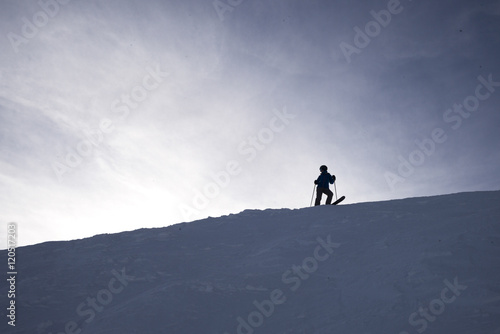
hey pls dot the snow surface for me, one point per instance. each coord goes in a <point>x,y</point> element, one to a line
<point>418,265</point>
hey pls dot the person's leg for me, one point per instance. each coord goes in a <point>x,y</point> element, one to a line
<point>319,192</point>
<point>329,195</point>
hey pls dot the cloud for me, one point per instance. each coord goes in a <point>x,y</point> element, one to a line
<point>225,80</point>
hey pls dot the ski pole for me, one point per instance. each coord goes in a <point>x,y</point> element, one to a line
<point>312,196</point>
<point>335,190</point>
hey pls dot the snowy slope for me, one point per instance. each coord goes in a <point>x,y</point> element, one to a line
<point>403,266</point>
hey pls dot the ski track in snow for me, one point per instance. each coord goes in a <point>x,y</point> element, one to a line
<point>392,261</point>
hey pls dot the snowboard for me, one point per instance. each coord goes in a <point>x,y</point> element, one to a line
<point>339,200</point>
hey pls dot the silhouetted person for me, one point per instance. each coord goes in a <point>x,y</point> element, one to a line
<point>323,182</point>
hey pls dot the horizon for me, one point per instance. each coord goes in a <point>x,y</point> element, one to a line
<point>117,116</point>
<point>249,209</point>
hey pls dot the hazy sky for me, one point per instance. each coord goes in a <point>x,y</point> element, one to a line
<point>118,115</point>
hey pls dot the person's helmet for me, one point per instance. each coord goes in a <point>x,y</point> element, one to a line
<point>323,168</point>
